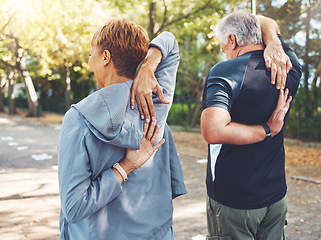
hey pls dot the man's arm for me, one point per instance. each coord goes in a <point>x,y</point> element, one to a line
<point>275,58</point>
<point>217,127</point>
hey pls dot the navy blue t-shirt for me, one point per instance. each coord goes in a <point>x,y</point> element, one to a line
<point>248,176</point>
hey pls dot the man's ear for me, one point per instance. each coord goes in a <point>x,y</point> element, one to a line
<point>107,57</point>
<point>232,40</point>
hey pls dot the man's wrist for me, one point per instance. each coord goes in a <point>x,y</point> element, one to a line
<point>267,130</point>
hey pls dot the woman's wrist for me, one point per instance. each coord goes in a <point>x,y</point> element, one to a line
<point>152,60</point>
<point>127,166</point>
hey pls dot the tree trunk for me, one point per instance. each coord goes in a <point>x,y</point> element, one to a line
<point>68,86</point>
<point>196,111</point>
<point>29,87</point>
<point>1,100</point>
<point>11,97</point>
<point>152,20</point>
<point>315,89</point>
<point>198,105</point>
<point>307,48</point>
<point>308,110</point>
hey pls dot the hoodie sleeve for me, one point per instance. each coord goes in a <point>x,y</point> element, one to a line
<point>177,177</point>
<point>166,75</point>
<point>167,68</point>
<point>81,194</point>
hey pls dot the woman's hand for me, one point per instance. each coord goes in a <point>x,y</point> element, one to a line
<point>275,58</point>
<point>145,84</point>
<point>136,158</point>
<point>279,63</point>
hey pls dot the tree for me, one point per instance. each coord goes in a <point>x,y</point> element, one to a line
<point>52,39</point>
<point>299,23</point>
<point>7,65</point>
<point>2,84</point>
<point>18,51</point>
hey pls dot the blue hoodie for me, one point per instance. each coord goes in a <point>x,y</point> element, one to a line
<point>94,136</point>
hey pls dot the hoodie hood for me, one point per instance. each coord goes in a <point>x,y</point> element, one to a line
<point>109,117</point>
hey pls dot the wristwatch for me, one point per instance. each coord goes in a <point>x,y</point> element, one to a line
<point>267,129</point>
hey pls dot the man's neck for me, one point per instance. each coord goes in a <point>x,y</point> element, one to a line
<point>249,48</point>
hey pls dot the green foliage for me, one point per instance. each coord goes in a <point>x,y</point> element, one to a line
<point>299,23</point>
<point>293,19</point>
<point>56,36</point>
<point>305,118</point>
<point>178,115</point>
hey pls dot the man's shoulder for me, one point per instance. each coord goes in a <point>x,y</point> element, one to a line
<point>230,68</point>
<point>222,66</point>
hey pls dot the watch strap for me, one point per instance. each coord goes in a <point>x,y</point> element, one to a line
<point>267,130</point>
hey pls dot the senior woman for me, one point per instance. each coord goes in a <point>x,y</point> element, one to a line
<point>113,183</point>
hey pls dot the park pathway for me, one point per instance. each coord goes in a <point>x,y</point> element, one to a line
<point>29,198</point>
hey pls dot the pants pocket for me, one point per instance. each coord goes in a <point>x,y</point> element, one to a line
<point>218,226</point>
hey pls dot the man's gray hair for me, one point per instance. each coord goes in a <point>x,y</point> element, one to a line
<point>241,23</point>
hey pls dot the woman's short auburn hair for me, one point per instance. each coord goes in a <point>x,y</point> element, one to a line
<point>127,43</point>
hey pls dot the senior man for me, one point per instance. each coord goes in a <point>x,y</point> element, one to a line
<point>242,121</point>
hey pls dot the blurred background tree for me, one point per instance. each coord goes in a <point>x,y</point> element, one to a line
<point>45,45</point>
<point>300,25</point>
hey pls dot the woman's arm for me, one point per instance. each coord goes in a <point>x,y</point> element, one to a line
<point>275,58</point>
<point>81,193</point>
<point>157,75</point>
<point>146,83</point>
<point>136,158</point>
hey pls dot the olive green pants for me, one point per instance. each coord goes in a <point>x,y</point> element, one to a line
<point>225,223</point>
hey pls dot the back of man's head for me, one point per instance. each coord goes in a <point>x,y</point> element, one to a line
<point>241,23</point>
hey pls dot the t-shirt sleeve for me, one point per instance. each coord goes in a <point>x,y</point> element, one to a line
<point>217,93</point>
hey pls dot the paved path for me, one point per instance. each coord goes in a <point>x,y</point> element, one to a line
<point>29,199</point>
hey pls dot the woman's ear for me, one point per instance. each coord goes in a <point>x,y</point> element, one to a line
<point>107,57</point>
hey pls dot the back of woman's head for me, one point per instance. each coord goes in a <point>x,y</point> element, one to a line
<point>127,43</point>
<point>241,23</point>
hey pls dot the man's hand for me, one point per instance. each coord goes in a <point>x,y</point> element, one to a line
<point>279,63</point>
<point>276,120</point>
<point>143,86</point>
